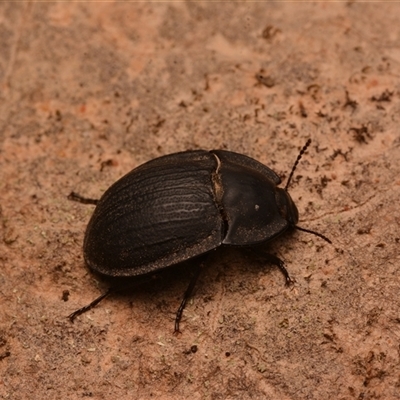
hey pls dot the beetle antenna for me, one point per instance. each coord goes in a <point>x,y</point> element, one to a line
<point>302,151</point>
<point>314,233</point>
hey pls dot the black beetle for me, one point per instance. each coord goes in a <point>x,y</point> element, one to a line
<point>181,206</point>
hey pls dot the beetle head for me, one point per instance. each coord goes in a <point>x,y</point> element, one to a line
<point>286,206</point>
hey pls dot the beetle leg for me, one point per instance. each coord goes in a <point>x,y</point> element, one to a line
<point>89,306</point>
<point>281,265</point>
<point>80,199</point>
<point>186,296</point>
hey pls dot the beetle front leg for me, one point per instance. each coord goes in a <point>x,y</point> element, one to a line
<point>281,265</point>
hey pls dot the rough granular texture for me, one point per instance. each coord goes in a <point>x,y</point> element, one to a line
<point>91,90</point>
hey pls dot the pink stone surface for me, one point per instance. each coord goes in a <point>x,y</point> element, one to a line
<point>91,90</point>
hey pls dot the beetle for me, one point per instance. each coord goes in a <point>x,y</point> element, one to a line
<point>183,205</point>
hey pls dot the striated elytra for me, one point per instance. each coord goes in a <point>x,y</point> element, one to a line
<point>181,206</point>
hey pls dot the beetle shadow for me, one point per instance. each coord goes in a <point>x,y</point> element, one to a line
<point>248,262</point>
<point>156,286</point>
<point>156,281</point>
<point>229,263</point>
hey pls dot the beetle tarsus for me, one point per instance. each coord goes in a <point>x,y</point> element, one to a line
<point>89,306</point>
<point>281,265</point>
